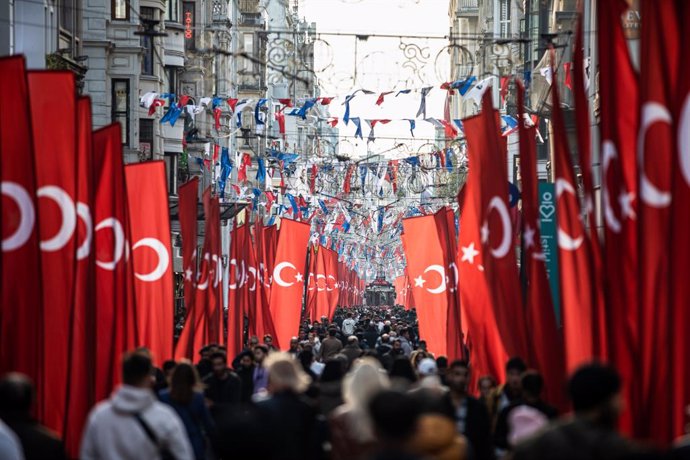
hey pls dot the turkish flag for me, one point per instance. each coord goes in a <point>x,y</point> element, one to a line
<point>659,62</point>
<point>152,256</point>
<point>115,330</point>
<point>487,350</point>
<point>680,229</point>
<point>490,195</point>
<point>619,131</point>
<point>54,123</point>
<point>237,295</point>
<point>311,312</point>
<point>264,321</point>
<point>427,268</point>
<point>321,285</point>
<point>445,223</point>
<point>82,332</point>
<point>188,194</point>
<point>546,346</point>
<point>20,267</point>
<point>288,279</point>
<point>214,309</point>
<point>332,281</point>
<point>578,287</point>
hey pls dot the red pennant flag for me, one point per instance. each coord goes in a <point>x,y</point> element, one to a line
<point>54,122</point>
<point>312,180</point>
<point>20,267</point>
<point>659,63</point>
<point>232,102</point>
<point>82,333</point>
<point>546,351</point>
<point>450,131</point>
<point>578,288</point>
<point>216,118</point>
<point>379,101</point>
<point>288,279</point>
<point>333,121</point>
<point>156,103</point>
<point>242,172</point>
<point>187,210</point>
<point>680,228</point>
<point>115,330</point>
<point>348,178</point>
<point>287,102</point>
<point>152,256</point>
<point>183,100</point>
<point>619,131</point>
<point>280,118</point>
<point>568,75</point>
<point>505,81</point>
<point>326,100</point>
<point>427,269</point>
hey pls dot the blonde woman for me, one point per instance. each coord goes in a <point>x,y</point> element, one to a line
<point>352,431</point>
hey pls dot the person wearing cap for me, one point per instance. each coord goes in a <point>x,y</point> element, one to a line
<point>595,393</point>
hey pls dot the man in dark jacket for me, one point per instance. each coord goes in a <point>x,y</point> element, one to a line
<point>595,393</point>
<point>472,417</point>
<point>245,371</point>
<point>330,346</point>
<point>222,386</point>
<point>16,399</point>
<point>352,350</point>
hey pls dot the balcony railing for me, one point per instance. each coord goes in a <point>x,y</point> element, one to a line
<point>468,7</point>
<point>252,19</point>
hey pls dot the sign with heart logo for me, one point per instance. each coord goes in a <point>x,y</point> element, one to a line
<point>549,239</point>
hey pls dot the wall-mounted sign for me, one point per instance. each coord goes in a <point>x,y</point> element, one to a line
<point>549,240</point>
<point>188,21</point>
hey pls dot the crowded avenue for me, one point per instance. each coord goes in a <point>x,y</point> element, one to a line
<point>344,229</point>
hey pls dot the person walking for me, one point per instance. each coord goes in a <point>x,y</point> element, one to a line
<point>185,396</point>
<point>132,424</point>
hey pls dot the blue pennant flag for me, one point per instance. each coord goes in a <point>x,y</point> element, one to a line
<point>308,104</point>
<point>358,124</point>
<point>257,111</point>
<point>293,113</point>
<point>458,123</point>
<point>363,174</point>
<point>216,102</point>
<point>422,104</point>
<point>527,78</point>
<point>449,159</point>
<point>293,203</point>
<point>323,207</point>
<point>346,117</point>
<point>414,161</point>
<point>172,114</point>
<point>380,222</point>
<point>403,91</point>
<point>413,125</point>
<point>271,221</point>
<point>463,86</point>
<point>261,170</point>
<point>346,226</point>
<point>225,169</point>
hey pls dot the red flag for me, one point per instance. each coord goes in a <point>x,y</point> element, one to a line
<point>242,171</point>
<point>496,232</point>
<point>311,309</point>
<point>20,266</point>
<point>332,289</point>
<point>82,334</point>
<point>659,60</point>
<point>487,349</point>
<point>188,197</point>
<point>237,296</point>
<point>546,350</point>
<point>619,130</point>
<point>152,257</point>
<point>114,283</point>
<point>348,178</point>
<point>680,229</point>
<point>232,102</point>
<point>567,66</point>
<point>54,117</point>
<point>265,255</point>
<point>288,279</point>
<point>578,293</point>
<point>505,81</point>
<point>214,308</point>
<point>427,268</point>
<point>381,97</point>
<point>445,222</point>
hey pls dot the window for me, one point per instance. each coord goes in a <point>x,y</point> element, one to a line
<point>120,101</point>
<point>67,15</point>
<point>171,79</point>
<point>173,10</point>
<point>504,18</point>
<point>147,43</point>
<point>146,137</point>
<point>171,172</point>
<point>249,49</point>
<point>119,9</point>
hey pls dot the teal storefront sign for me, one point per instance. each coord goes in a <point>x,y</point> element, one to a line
<point>549,240</point>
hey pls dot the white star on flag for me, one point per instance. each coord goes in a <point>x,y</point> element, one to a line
<point>419,281</point>
<point>528,235</point>
<point>188,274</point>
<point>625,200</point>
<point>298,277</point>
<point>469,253</point>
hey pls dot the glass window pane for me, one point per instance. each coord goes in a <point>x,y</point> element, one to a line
<point>120,91</point>
<point>120,9</point>
<point>122,119</point>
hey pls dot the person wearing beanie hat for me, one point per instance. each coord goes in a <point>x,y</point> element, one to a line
<point>596,397</point>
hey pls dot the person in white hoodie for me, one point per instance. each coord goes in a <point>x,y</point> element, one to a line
<point>132,424</point>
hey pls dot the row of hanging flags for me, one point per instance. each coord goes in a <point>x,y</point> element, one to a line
<point>173,106</point>
<point>79,230</point>
<point>623,296</point>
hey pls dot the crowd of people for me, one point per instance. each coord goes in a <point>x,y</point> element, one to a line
<point>362,386</point>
